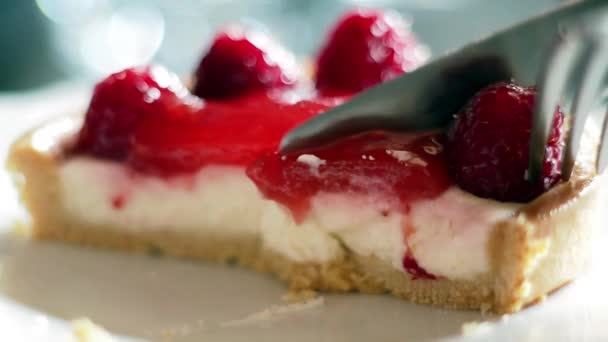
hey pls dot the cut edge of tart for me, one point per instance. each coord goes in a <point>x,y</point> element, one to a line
<point>546,244</point>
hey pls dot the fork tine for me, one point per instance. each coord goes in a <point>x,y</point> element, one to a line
<point>554,77</point>
<point>602,160</point>
<point>586,95</point>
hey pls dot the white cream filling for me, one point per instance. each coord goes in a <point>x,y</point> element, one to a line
<point>448,234</point>
<point>217,199</point>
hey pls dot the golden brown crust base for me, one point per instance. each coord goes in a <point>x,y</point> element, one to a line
<point>544,246</point>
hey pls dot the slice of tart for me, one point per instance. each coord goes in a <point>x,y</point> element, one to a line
<point>442,219</point>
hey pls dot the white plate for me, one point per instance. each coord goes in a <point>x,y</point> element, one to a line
<point>44,285</point>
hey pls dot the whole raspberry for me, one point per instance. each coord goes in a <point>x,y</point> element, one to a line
<point>241,61</point>
<point>366,47</point>
<point>488,145</point>
<point>118,104</point>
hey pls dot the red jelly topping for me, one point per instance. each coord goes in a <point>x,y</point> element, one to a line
<point>119,201</point>
<point>234,132</point>
<point>400,167</point>
<point>411,266</point>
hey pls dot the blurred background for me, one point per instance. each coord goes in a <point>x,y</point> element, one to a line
<point>47,41</point>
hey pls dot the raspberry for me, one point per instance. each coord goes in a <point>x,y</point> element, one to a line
<point>488,145</point>
<point>366,47</point>
<point>119,103</point>
<point>241,61</point>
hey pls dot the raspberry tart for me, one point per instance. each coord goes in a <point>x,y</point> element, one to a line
<point>441,218</point>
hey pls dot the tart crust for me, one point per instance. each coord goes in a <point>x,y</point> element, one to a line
<point>544,246</point>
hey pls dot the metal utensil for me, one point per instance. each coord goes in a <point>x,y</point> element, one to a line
<point>428,97</point>
<point>574,76</point>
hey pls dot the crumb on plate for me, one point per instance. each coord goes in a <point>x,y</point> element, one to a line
<point>87,331</point>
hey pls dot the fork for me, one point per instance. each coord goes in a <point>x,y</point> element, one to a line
<point>574,76</point>
<point>564,51</point>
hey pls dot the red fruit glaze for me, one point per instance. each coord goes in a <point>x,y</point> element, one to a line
<point>488,145</point>
<point>241,61</point>
<point>400,168</point>
<point>234,133</point>
<point>119,201</point>
<point>366,47</point>
<point>411,266</point>
<point>120,102</point>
